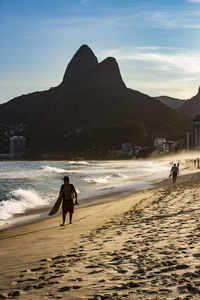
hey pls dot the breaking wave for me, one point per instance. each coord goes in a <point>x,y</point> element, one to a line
<point>18,202</point>
<point>106,179</point>
<point>78,163</point>
<point>53,169</point>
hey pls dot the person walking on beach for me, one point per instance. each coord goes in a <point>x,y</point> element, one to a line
<point>174,172</point>
<point>68,191</point>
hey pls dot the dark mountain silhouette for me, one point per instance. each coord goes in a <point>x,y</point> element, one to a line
<point>91,111</point>
<point>192,106</point>
<point>83,60</point>
<point>174,103</point>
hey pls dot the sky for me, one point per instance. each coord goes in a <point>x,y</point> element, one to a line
<point>155,42</point>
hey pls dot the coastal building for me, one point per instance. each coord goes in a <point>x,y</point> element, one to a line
<point>137,149</point>
<point>189,137</point>
<point>114,153</point>
<point>160,144</point>
<point>127,148</point>
<point>171,146</point>
<point>197,132</point>
<point>192,137</point>
<point>163,145</point>
<point>17,146</point>
<point>125,152</point>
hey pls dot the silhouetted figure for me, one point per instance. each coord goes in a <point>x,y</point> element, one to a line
<point>174,172</point>
<point>198,162</point>
<point>68,192</point>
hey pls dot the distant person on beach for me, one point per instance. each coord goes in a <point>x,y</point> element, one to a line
<point>197,162</point>
<point>68,192</point>
<point>174,172</point>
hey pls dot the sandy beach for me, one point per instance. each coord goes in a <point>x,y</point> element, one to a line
<point>143,246</point>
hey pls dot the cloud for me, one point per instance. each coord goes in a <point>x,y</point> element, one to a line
<point>123,19</point>
<point>167,19</point>
<point>185,19</point>
<point>157,58</point>
<point>194,1</point>
<point>182,88</point>
<point>158,70</point>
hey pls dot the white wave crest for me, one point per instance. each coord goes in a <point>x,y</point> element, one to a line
<point>53,169</point>
<point>106,178</point>
<point>81,162</point>
<point>19,201</point>
<point>122,175</point>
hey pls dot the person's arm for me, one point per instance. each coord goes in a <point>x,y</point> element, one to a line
<point>170,174</point>
<point>76,196</point>
<point>61,191</point>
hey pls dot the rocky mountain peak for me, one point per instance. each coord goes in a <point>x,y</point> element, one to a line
<point>111,63</point>
<point>82,61</point>
<point>109,71</point>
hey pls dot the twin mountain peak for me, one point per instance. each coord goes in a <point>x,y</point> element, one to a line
<point>93,97</point>
<point>85,62</point>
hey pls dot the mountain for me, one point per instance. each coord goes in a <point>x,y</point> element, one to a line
<point>171,102</point>
<point>90,112</point>
<point>192,106</point>
<point>83,60</point>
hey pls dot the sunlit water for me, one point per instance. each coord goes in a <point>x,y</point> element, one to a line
<point>26,185</point>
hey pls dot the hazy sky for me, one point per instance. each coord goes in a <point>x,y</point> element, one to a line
<point>156,42</point>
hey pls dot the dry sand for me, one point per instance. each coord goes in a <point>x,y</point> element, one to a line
<point>144,246</point>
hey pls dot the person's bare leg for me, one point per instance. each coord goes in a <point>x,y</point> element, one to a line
<point>64,218</point>
<point>70,218</point>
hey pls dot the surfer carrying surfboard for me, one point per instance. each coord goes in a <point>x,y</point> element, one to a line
<point>67,191</point>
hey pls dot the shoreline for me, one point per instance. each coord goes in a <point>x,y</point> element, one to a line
<point>37,214</point>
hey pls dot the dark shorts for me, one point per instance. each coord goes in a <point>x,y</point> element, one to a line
<point>68,206</point>
<point>174,174</point>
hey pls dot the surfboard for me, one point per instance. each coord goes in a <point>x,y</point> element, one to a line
<point>56,206</point>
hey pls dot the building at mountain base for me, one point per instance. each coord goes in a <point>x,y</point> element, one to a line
<point>192,137</point>
<point>162,145</point>
<point>17,148</point>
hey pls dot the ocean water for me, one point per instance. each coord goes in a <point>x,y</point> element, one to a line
<point>27,186</point>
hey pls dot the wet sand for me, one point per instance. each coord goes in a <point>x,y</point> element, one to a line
<point>143,246</point>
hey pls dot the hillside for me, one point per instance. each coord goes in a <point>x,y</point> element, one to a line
<point>171,102</point>
<point>91,111</point>
<point>192,106</point>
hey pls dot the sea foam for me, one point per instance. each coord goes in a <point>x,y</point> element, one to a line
<point>53,169</point>
<point>105,179</point>
<point>18,202</point>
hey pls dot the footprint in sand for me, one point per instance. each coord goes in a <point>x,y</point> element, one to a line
<point>68,288</point>
<point>14,294</point>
